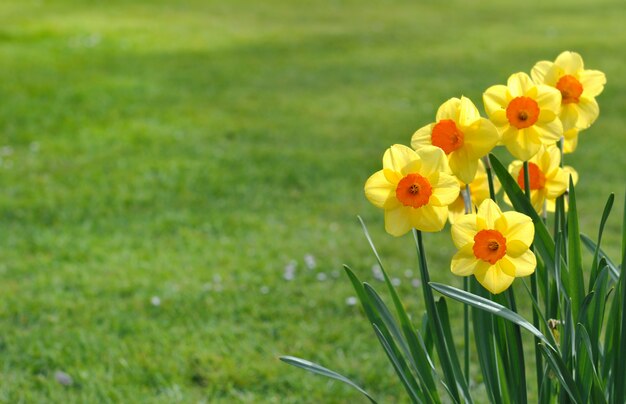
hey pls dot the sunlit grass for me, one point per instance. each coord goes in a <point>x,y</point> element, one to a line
<point>191,152</point>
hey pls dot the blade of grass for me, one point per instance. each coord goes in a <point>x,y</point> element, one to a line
<point>576,281</point>
<point>320,370</point>
<point>605,216</point>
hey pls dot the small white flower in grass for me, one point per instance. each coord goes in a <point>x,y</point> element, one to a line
<point>265,290</point>
<point>290,271</point>
<point>351,301</point>
<point>396,281</point>
<point>408,273</point>
<point>309,261</point>
<point>217,278</point>
<point>34,147</point>
<point>155,301</point>
<point>207,287</point>
<point>335,274</point>
<point>321,277</point>
<point>63,378</point>
<point>6,150</point>
<point>377,272</point>
<point>416,283</point>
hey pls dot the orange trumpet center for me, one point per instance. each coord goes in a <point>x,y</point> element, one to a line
<point>570,89</point>
<point>489,245</point>
<point>414,190</point>
<point>522,112</point>
<point>536,178</point>
<point>447,136</point>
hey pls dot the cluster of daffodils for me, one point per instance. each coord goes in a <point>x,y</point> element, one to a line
<point>442,177</point>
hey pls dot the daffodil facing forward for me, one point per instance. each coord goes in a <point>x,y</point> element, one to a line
<point>414,188</point>
<point>462,134</point>
<point>578,88</point>
<point>526,114</point>
<point>479,190</point>
<point>493,246</point>
<point>547,179</point>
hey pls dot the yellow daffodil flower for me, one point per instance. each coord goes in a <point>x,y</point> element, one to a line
<point>479,189</point>
<point>414,188</point>
<point>578,88</point>
<point>525,113</point>
<point>547,179</point>
<point>462,134</point>
<point>493,246</point>
<point>570,140</point>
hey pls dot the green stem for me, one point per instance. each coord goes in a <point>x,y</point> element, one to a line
<point>466,337</point>
<point>431,309</point>
<point>534,290</point>
<point>492,189</point>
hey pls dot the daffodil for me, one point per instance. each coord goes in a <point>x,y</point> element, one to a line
<point>525,113</point>
<point>547,179</point>
<point>414,188</point>
<point>578,88</point>
<point>570,140</point>
<point>493,246</point>
<point>461,133</point>
<point>479,190</point>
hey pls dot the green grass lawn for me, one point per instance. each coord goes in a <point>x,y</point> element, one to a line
<point>162,163</point>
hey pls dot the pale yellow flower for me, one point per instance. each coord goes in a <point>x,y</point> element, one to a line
<point>461,133</point>
<point>525,113</point>
<point>479,189</point>
<point>493,246</point>
<point>578,88</point>
<point>548,180</point>
<point>414,188</point>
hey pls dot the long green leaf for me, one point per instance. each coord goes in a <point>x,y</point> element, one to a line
<point>320,370</point>
<point>490,307</point>
<point>397,365</point>
<point>422,370</point>
<point>445,359</point>
<point>419,354</point>
<point>559,368</point>
<point>576,281</point>
<point>605,216</point>
<point>591,246</point>
<point>620,328</point>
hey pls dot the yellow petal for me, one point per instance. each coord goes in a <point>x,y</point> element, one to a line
<point>518,227</point>
<point>556,185</point>
<point>539,71</point>
<point>570,171</point>
<point>593,82</point>
<point>449,110</point>
<point>493,279</point>
<point>456,210</point>
<point>489,212</point>
<point>519,84</point>
<point>505,266</point>
<point>422,137</point>
<point>463,166</point>
<point>524,264</point>
<point>481,138</point>
<point>525,144</point>
<point>515,248</point>
<point>445,191</point>
<point>464,262</point>
<point>498,117</point>
<point>463,230</point>
<point>468,113</point>
<point>380,192</point>
<point>588,111</point>
<point>569,116</point>
<point>495,98</point>
<point>397,221</point>
<point>548,98</point>
<point>429,218</point>
<point>570,140</point>
<point>398,156</point>
<point>570,62</point>
<point>548,133</point>
<point>433,160</point>
<point>392,176</point>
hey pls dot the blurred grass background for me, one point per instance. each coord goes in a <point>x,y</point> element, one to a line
<point>165,165</point>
